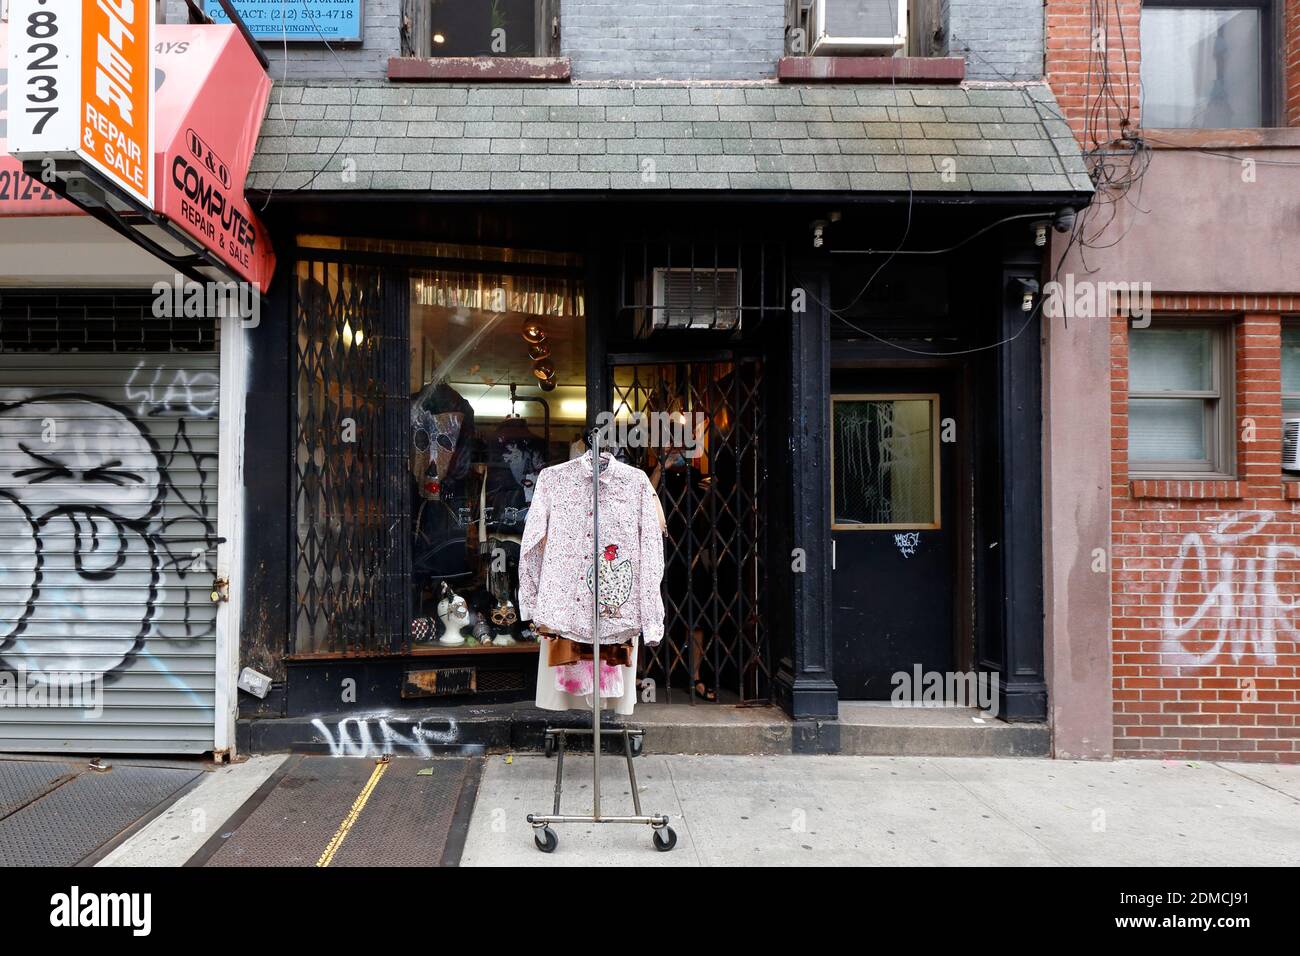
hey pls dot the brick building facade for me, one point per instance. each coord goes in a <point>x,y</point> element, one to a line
<point>1170,587</point>
<point>1204,557</point>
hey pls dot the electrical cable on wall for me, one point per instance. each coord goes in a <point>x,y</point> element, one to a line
<point>1029,318</point>
<point>907,168</point>
<point>351,106</point>
<point>1113,181</point>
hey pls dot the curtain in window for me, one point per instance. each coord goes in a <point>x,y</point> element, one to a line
<point>1201,68</point>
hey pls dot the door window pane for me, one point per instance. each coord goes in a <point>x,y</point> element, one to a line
<point>1170,360</point>
<point>884,462</point>
<point>1166,429</point>
<point>1201,68</point>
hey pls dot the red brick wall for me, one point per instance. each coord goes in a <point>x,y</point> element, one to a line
<point>1075,69</point>
<point>1205,656</point>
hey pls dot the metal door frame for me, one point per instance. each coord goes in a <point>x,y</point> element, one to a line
<point>959,377</point>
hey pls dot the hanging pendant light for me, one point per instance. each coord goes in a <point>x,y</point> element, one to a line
<point>539,351</point>
<point>543,370</point>
<point>533,332</point>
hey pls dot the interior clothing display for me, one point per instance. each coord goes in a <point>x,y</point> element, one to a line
<point>551,697</point>
<point>516,457</point>
<point>556,573</point>
<point>442,422</point>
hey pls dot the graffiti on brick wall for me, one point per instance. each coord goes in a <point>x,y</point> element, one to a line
<point>1223,595</point>
<point>95,527</point>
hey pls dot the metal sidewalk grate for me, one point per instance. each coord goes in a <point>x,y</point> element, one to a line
<point>408,819</point>
<point>22,781</point>
<point>71,821</point>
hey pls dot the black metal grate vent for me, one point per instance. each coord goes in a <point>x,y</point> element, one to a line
<point>99,321</point>
<point>720,285</point>
<point>500,681</point>
<point>715,575</point>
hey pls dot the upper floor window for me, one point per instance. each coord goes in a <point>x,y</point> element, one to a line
<point>515,28</point>
<point>856,27</point>
<point>1291,370</point>
<point>1207,65</point>
<point>1180,399</point>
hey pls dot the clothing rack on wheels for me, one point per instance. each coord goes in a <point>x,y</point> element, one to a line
<point>663,836</point>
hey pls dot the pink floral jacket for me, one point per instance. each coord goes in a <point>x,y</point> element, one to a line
<point>555,559</point>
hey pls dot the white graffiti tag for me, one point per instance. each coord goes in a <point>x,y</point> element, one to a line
<point>373,737</point>
<point>907,542</point>
<point>1238,609</point>
<point>158,391</point>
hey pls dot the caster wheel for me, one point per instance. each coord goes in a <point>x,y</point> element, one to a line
<point>638,743</point>
<point>550,746</point>
<point>664,839</point>
<point>547,841</point>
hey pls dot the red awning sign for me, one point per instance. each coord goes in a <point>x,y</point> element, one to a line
<point>209,95</point>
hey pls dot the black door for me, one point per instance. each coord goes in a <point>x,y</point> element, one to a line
<point>893,527</point>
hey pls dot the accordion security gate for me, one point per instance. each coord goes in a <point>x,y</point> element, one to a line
<point>350,504</point>
<point>713,495</point>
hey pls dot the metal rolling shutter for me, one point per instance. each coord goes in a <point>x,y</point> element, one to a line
<point>108,522</point>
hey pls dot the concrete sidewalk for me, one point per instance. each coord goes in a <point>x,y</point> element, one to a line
<point>838,810</point>
<point>177,833</point>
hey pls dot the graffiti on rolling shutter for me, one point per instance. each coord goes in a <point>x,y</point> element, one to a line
<point>107,512</point>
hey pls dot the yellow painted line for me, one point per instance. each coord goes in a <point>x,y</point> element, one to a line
<point>358,805</point>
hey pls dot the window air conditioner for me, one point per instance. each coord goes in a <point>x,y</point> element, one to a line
<point>1291,444</point>
<point>857,27</point>
<point>696,299</point>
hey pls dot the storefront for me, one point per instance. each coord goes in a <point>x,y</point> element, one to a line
<point>853,490</point>
<point>431,382</point>
<point>816,339</point>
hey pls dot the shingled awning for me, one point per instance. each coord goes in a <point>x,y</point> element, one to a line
<point>332,136</point>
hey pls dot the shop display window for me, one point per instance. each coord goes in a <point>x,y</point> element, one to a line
<point>497,392</point>
<point>434,381</point>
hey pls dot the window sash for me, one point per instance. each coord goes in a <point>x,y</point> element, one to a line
<point>423,23</point>
<point>1219,434</point>
<point>1270,13</point>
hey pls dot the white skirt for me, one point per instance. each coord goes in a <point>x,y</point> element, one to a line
<point>551,698</point>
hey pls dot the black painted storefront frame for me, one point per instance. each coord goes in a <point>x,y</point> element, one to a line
<point>1009,591</point>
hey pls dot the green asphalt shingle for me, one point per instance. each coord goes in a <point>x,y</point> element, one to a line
<point>323,135</point>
